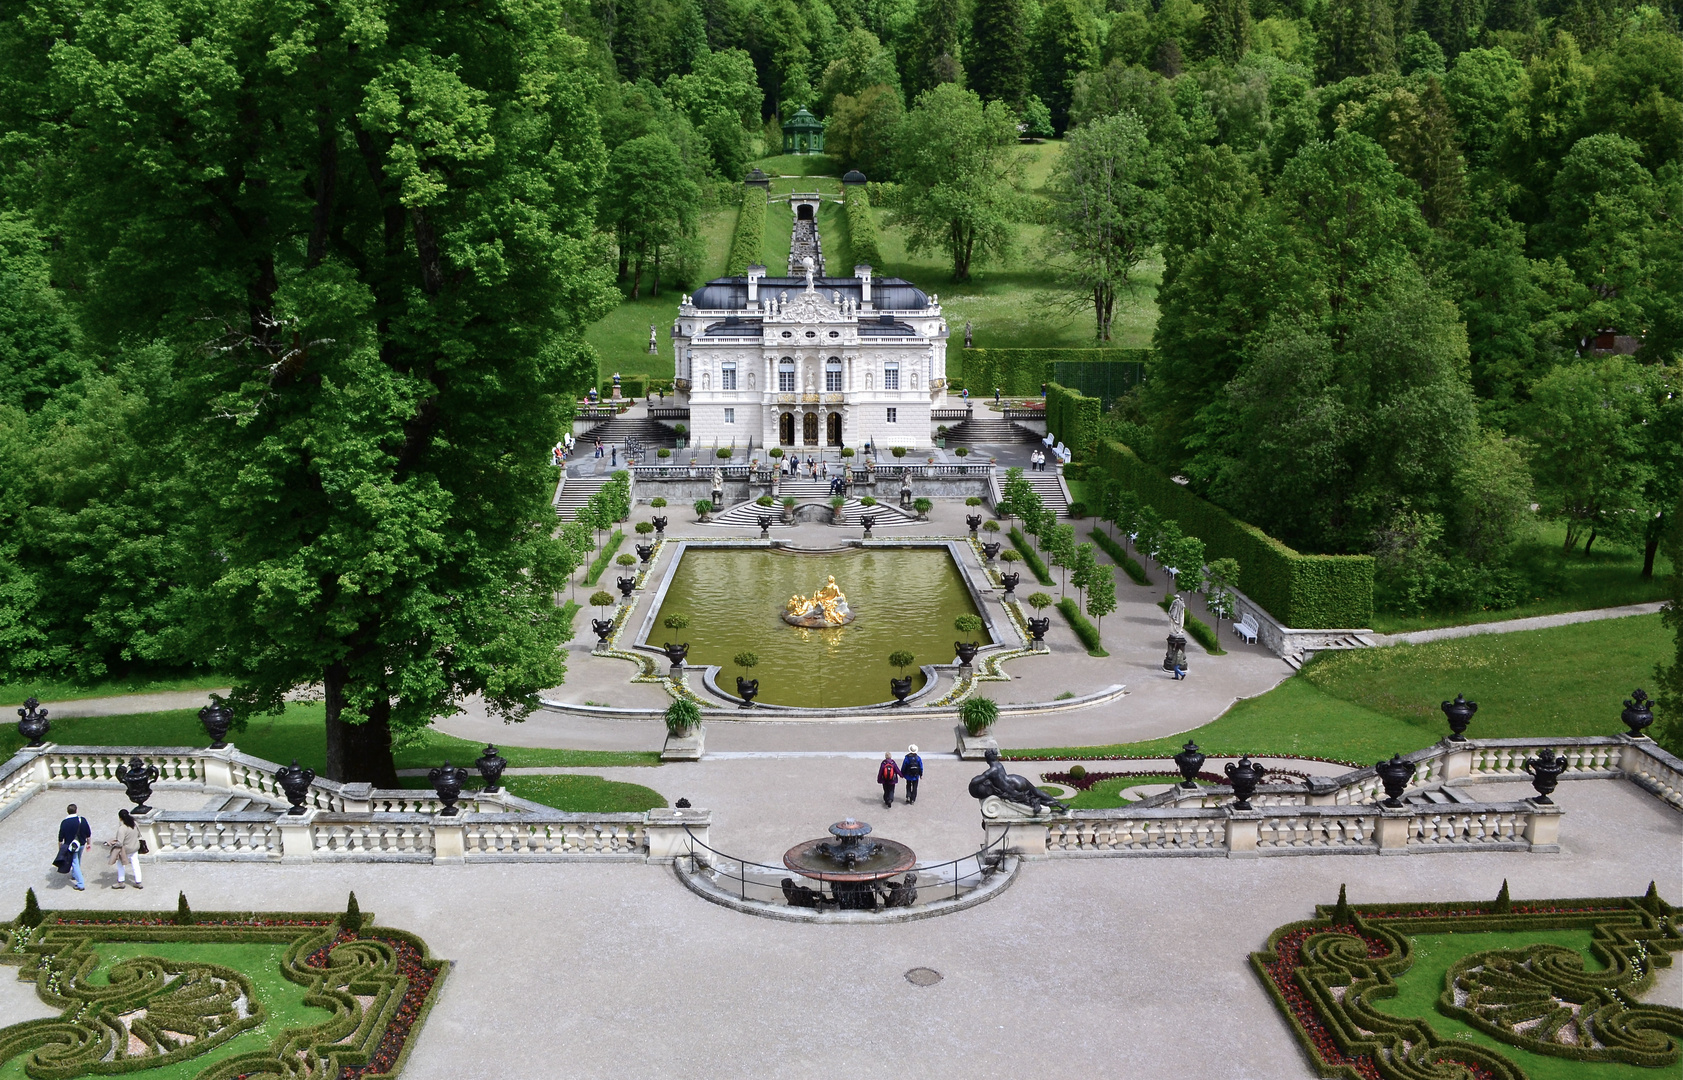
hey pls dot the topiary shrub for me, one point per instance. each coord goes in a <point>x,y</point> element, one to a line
<point>776,451</point>
<point>602,598</point>
<point>746,660</point>
<point>183,913</point>
<point>644,528</point>
<point>868,501</point>
<point>978,714</point>
<point>351,920</point>
<point>847,451</point>
<point>664,452</point>
<point>897,451</point>
<point>675,621</point>
<point>968,624</point>
<point>627,559</point>
<point>657,502</point>
<point>974,500</point>
<point>31,910</point>
<point>964,451</point>
<point>723,453</point>
<point>1077,772</point>
<point>1039,601</point>
<point>990,526</point>
<point>764,500</point>
<point>901,659</point>
<point>1010,556</point>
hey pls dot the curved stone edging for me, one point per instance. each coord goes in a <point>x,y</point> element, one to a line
<point>859,713</point>
<point>997,883</point>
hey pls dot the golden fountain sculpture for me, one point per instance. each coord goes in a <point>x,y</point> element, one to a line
<point>826,607</point>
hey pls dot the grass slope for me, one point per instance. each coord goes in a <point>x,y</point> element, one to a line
<point>55,690</point>
<point>1366,704</point>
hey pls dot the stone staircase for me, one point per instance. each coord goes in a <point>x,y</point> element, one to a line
<point>234,804</point>
<point>648,432</point>
<point>1051,491</point>
<point>747,514</point>
<point>574,492</point>
<point>989,432</point>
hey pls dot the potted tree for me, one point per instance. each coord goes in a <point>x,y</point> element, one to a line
<point>746,688</point>
<point>702,509</point>
<point>789,511</point>
<point>922,506</point>
<point>977,714</point>
<point>680,430</point>
<point>902,686</point>
<point>1039,624</point>
<point>603,628</point>
<point>837,504</point>
<point>683,732</point>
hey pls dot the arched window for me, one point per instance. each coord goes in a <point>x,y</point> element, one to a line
<point>727,375</point>
<point>832,374</point>
<point>786,375</point>
<point>891,375</point>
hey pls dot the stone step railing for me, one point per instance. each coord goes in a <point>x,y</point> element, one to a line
<point>343,822</point>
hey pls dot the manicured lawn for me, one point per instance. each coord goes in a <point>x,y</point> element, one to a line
<point>53,690</point>
<point>1610,576</point>
<point>799,165</point>
<point>1366,704</point>
<point>1107,794</point>
<point>574,794</point>
<point>299,732</point>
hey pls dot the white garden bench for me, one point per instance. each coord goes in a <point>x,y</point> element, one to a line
<point>1246,627</point>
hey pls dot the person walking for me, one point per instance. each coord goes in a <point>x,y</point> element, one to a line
<point>125,849</point>
<point>996,395</point>
<point>912,770</point>
<point>74,832</point>
<point>888,775</point>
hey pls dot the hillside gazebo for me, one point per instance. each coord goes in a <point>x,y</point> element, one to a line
<point>803,133</point>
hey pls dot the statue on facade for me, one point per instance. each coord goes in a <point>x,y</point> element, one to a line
<point>968,344</point>
<point>1009,787</point>
<point>652,348</point>
<point>1177,613</point>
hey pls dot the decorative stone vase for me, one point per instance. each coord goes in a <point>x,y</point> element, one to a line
<point>900,688</point>
<point>1010,582</point>
<point>295,781</point>
<point>1244,777</point>
<point>216,718</point>
<point>869,522</point>
<point>676,654</point>
<point>447,781</point>
<point>1545,770</point>
<point>491,765</point>
<point>137,777</point>
<point>746,689</point>
<point>1189,761</point>
<point>765,526</point>
<point>1460,713</point>
<point>1395,775</point>
<point>645,552</point>
<point>1638,714</point>
<point>660,527</point>
<point>626,585</point>
<point>32,721</point>
<point>837,516</point>
<point>990,551</point>
<point>1037,633</point>
<point>966,651</point>
<point>974,521</point>
<point>602,628</point>
<point>788,515</point>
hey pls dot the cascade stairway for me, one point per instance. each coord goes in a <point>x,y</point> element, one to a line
<point>1051,491</point>
<point>989,432</point>
<point>575,491</point>
<point>650,433</point>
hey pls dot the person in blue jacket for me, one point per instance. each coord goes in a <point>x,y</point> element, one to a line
<point>911,770</point>
<point>74,832</point>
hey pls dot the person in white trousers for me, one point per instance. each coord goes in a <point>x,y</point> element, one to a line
<point>125,849</point>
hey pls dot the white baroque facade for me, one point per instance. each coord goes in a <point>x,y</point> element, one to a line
<point>810,362</point>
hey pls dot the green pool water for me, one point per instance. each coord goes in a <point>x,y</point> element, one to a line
<point>902,599</point>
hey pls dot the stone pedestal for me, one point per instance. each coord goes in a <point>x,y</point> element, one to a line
<point>974,747</point>
<point>670,833</point>
<point>449,844</point>
<point>1393,829</point>
<point>1458,762</point>
<point>1243,830</point>
<point>1543,830</point>
<point>686,747</point>
<point>218,767</point>
<point>297,841</point>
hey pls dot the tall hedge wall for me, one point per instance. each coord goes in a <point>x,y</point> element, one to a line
<point>1073,418</point>
<point>1019,372</point>
<point>1309,592</point>
<point>750,233</point>
<point>861,229</point>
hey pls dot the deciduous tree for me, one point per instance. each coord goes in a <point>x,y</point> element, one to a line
<point>958,176</point>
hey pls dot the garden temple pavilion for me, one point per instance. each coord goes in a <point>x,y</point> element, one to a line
<point>810,361</point>
<point>803,133</point>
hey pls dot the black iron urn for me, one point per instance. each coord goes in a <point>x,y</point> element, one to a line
<point>1395,775</point>
<point>645,552</point>
<point>746,689</point>
<point>1010,582</point>
<point>1037,630</point>
<point>900,688</point>
<point>32,721</point>
<point>295,781</point>
<point>1545,770</point>
<point>1460,713</point>
<point>765,526</point>
<point>660,526</point>
<point>675,653</point>
<point>447,781</point>
<point>626,584</point>
<point>990,551</point>
<point>217,719</point>
<point>1244,777</point>
<point>491,765</point>
<point>975,522</point>
<point>137,777</point>
<point>1638,714</point>
<point>602,627</point>
<point>966,651</point>
<point>1189,761</point>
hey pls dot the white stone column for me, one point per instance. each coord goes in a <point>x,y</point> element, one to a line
<point>449,841</point>
<point>297,834</point>
<point>670,832</point>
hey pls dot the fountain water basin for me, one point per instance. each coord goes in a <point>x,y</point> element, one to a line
<point>850,858</point>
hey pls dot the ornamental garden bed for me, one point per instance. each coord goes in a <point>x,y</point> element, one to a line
<point>1494,990</point>
<point>216,995</point>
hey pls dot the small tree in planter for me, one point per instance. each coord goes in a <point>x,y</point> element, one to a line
<point>746,687</point>
<point>978,715</point>
<point>775,452</point>
<point>676,621</point>
<point>657,502</point>
<point>682,717</point>
<point>789,510</point>
<point>922,506</point>
<point>897,451</point>
<point>644,528</point>
<point>902,686</point>
<point>602,598</point>
<point>702,508</point>
<point>837,505</point>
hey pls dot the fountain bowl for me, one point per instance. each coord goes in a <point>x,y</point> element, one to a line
<point>849,857</point>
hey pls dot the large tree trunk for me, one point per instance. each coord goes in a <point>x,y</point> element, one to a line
<point>357,752</point>
<point>1651,545</point>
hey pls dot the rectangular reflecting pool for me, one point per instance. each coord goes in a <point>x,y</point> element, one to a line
<point>901,598</point>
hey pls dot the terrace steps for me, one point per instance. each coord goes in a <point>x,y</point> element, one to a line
<point>574,492</point>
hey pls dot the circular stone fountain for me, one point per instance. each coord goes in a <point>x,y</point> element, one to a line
<point>851,863</point>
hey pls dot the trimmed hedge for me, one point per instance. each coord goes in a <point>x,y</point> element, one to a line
<point>1120,557</point>
<point>750,233</point>
<point>861,227</point>
<point>1031,557</point>
<point>1084,629</point>
<point>1073,418</point>
<point>600,563</point>
<point>1019,372</point>
<point>630,386</point>
<point>1309,592</point>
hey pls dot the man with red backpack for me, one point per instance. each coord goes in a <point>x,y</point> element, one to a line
<point>888,774</point>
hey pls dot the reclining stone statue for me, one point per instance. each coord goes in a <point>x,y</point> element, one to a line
<point>1010,787</point>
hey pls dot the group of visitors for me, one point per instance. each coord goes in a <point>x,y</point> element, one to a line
<point>838,486</point>
<point>559,453</point>
<point>890,774</point>
<point>1037,461</point>
<point>815,469</point>
<point>125,848</point>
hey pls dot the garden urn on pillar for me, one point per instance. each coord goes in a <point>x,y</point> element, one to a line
<point>137,777</point>
<point>1037,633</point>
<point>216,718</point>
<point>1545,770</point>
<point>966,651</point>
<point>676,654</point>
<point>602,628</point>
<point>868,521</point>
<point>974,521</point>
<point>1244,777</point>
<point>746,689</point>
<point>900,688</point>
<point>660,527</point>
<point>491,765</point>
<point>32,721</point>
<point>1189,761</point>
<point>1460,713</point>
<point>1010,583</point>
<point>765,526</point>
<point>645,552</point>
<point>1638,714</point>
<point>990,552</point>
<point>295,781</point>
<point>626,584</point>
<point>1395,775</point>
<point>447,781</point>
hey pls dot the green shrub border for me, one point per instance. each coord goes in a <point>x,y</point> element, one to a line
<point>1332,1029</point>
<point>1073,418</point>
<point>1019,372</point>
<point>1308,592</point>
<point>863,242</point>
<point>600,563</point>
<point>1084,629</point>
<point>1120,556</point>
<point>1031,557</point>
<point>746,241</point>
